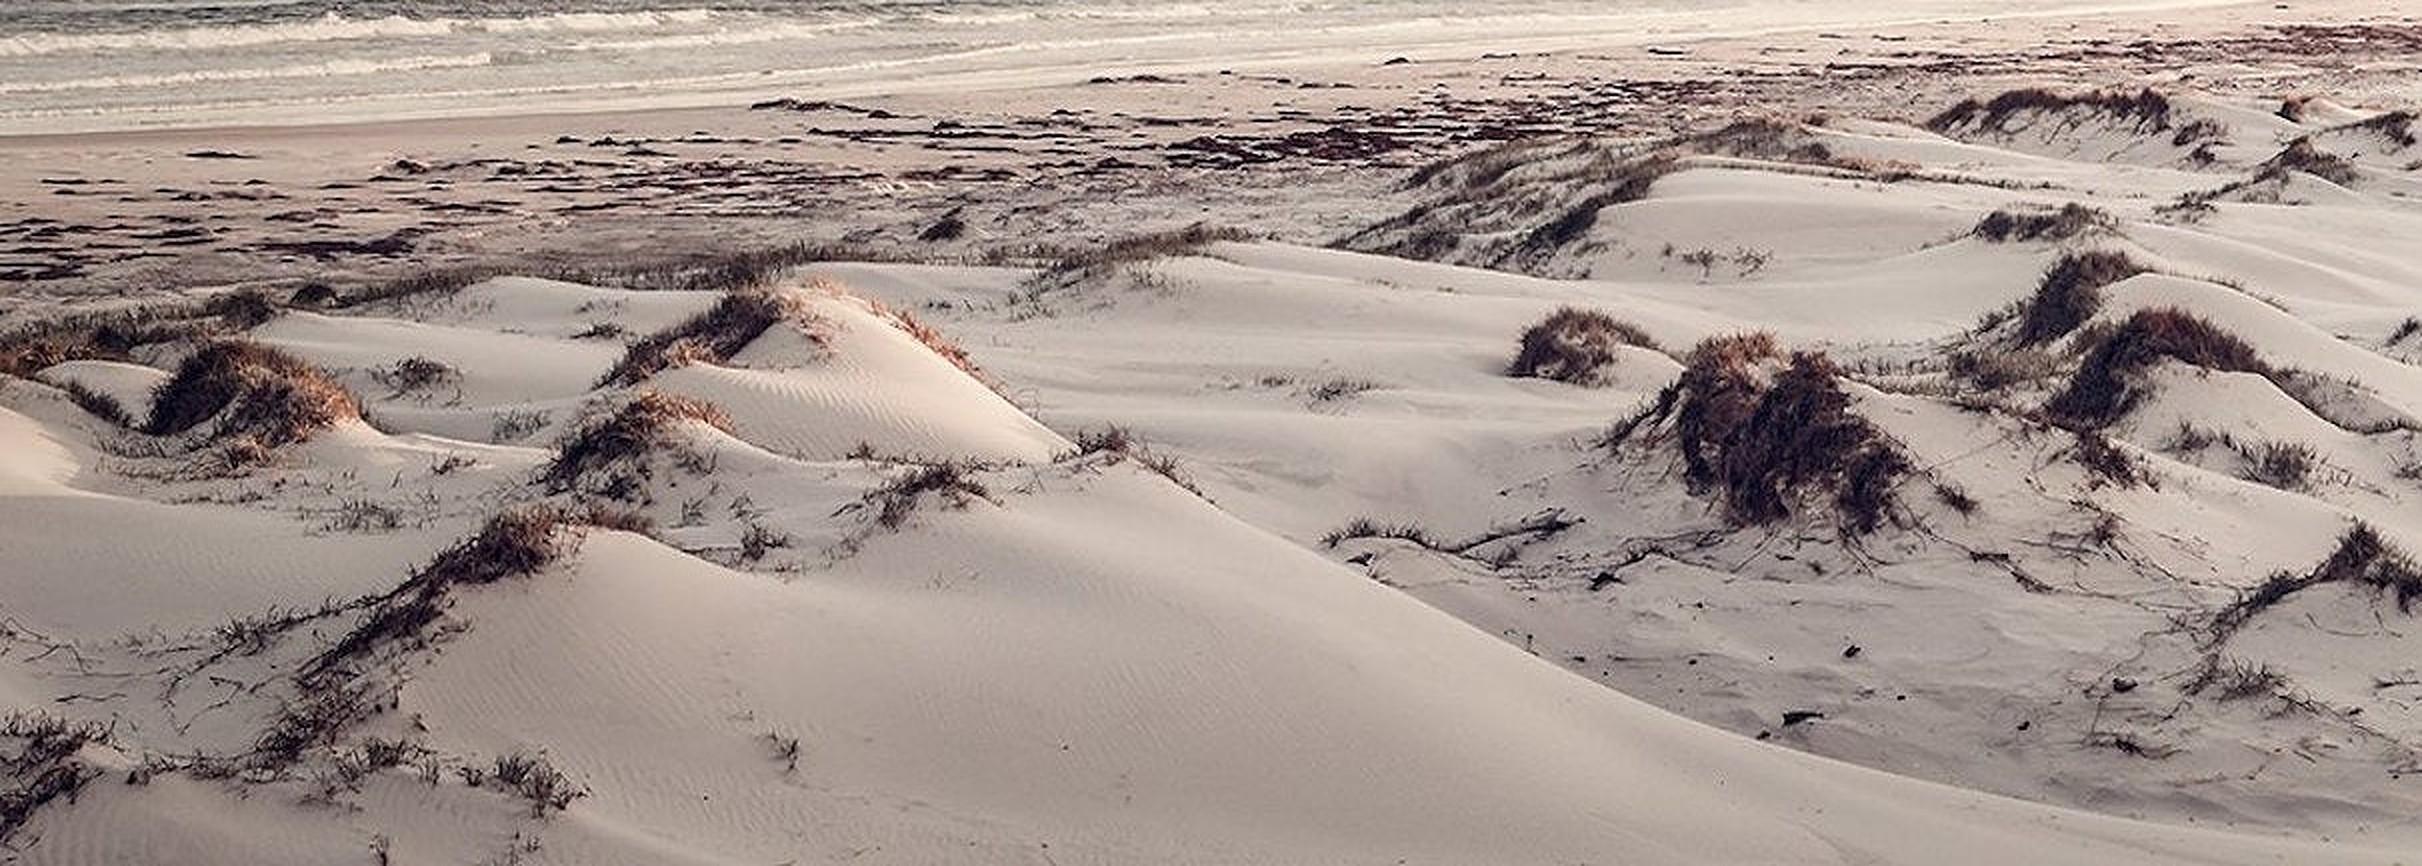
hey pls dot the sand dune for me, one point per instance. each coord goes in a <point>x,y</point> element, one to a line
<point>518,570</point>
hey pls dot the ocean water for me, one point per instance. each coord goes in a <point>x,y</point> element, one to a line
<point>81,65</point>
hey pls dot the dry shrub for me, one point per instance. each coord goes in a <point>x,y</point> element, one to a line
<point>1364,527</point>
<point>414,374</point>
<point>955,483</point>
<point>1122,443</point>
<point>2284,465</point>
<point>2105,460</point>
<point>1768,138</point>
<point>2146,109</point>
<point>1621,183</point>
<point>1993,370</point>
<point>43,768</point>
<point>2301,156</point>
<point>528,775</point>
<point>1574,345</point>
<point>514,543</point>
<point>933,339</point>
<point>2397,127</point>
<point>242,310</point>
<point>1764,444</point>
<point>2104,389</point>
<point>2362,558</point>
<point>1100,261</point>
<point>102,406</point>
<point>434,281</point>
<point>620,442</point>
<point>2070,221</point>
<point>2070,293</point>
<point>712,337</point>
<point>249,392</point>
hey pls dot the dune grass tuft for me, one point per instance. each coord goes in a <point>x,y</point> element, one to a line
<point>250,394</point>
<point>2104,388</point>
<point>1574,345</point>
<point>713,336</point>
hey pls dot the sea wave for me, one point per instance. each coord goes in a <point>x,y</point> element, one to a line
<point>321,69</point>
<point>334,27</point>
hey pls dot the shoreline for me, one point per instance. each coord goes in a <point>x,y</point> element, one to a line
<point>1074,72</point>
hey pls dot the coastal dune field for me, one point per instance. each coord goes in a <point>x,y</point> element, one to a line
<point>1753,434</point>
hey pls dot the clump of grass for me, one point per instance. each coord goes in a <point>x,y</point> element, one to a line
<point>2284,465</point>
<point>43,769</point>
<point>949,227</point>
<point>2071,220</point>
<point>249,392</point>
<point>1763,434</point>
<point>1993,370</point>
<point>2236,680</point>
<point>415,374</point>
<point>2301,156</point>
<point>2410,326</point>
<point>1365,527</point>
<point>2362,558</point>
<point>2104,460</point>
<point>1123,443</point>
<point>712,337</point>
<point>1574,345</point>
<point>601,331</point>
<point>2397,127</point>
<point>933,339</point>
<point>2104,388</point>
<point>955,484</point>
<point>433,281</point>
<point>1340,388</point>
<point>2147,110</point>
<point>99,405</point>
<point>316,293</point>
<point>529,776</point>
<point>242,310</point>
<point>2070,293</point>
<point>514,543</point>
<point>1619,183</point>
<point>613,448</point>
<point>1082,265</point>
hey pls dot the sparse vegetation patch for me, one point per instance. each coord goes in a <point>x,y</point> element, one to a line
<point>1763,433</point>
<point>2070,293</point>
<point>2105,386</point>
<point>2145,110</point>
<point>608,457</point>
<point>249,392</point>
<point>2071,220</point>
<point>1574,345</point>
<point>710,337</point>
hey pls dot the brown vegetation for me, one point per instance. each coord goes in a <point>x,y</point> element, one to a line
<point>2301,156</point>
<point>248,392</point>
<point>2104,388</point>
<point>2070,221</point>
<point>1087,264</point>
<point>1574,345</point>
<point>2146,110</point>
<point>712,337</point>
<point>43,768</point>
<point>514,543</point>
<point>1763,443</point>
<point>954,483</point>
<point>2070,293</point>
<point>607,456</point>
<point>2362,558</point>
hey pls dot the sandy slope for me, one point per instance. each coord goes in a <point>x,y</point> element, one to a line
<point>1060,657</point>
